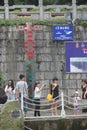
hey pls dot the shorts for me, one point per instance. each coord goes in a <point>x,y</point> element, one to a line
<point>76,107</point>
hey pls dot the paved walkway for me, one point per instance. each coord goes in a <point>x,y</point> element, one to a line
<point>30,114</point>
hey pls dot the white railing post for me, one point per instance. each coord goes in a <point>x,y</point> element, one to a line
<point>22,102</point>
<point>62,103</point>
<point>41,9</point>
<point>6,6</point>
<point>74,9</point>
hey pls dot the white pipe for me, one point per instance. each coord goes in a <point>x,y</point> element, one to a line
<point>62,100</point>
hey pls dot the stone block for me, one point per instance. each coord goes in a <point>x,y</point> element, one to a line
<point>20,66</point>
<point>43,49</point>
<point>39,36</point>
<point>44,57</point>
<point>55,66</point>
<point>58,74</point>
<point>67,76</point>
<point>46,28</point>
<point>0,51</point>
<point>20,57</point>
<point>39,43</point>
<point>3,58</point>
<point>50,75</point>
<point>71,84</point>
<point>39,76</point>
<point>84,76</point>
<point>3,51</point>
<point>0,59</point>
<point>44,66</point>
<point>5,67</point>
<point>46,35</point>
<point>2,36</point>
<point>75,76</point>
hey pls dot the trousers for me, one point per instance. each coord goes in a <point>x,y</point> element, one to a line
<point>37,107</point>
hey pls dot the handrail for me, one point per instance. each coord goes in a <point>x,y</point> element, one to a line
<point>62,104</point>
<point>32,100</point>
<point>48,109</point>
<point>32,104</point>
<point>27,128</point>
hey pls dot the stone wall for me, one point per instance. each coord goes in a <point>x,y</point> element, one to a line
<point>12,52</point>
<point>57,124</point>
<point>49,56</point>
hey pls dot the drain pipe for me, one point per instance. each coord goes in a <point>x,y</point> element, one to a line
<point>22,103</point>
<point>62,100</point>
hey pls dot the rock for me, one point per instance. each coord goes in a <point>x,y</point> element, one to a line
<point>3,97</point>
<point>11,117</point>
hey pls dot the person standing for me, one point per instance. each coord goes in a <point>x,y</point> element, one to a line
<point>3,98</point>
<point>9,90</point>
<point>84,91</point>
<point>37,94</point>
<point>54,90</point>
<point>22,89</point>
<point>76,98</point>
<point>83,87</point>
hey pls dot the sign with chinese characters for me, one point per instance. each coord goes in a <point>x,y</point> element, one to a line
<point>76,57</point>
<point>63,32</point>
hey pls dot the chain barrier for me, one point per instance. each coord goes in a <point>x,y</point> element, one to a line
<point>27,128</point>
<point>63,105</point>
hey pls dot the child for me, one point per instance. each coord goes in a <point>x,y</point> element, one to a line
<point>75,104</point>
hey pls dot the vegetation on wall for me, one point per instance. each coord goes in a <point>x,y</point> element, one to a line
<point>41,22</point>
<point>1,79</point>
<point>50,10</point>
<point>65,10</point>
<point>69,10</point>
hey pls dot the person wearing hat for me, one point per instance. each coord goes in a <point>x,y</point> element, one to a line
<point>75,103</point>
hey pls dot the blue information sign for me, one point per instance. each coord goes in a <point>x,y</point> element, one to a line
<point>63,32</point>
<point>76,57</point>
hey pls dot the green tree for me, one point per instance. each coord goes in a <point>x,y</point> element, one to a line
<point>1,79</point>
<point>45,2</point>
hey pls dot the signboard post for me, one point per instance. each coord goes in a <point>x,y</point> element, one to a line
<point>63,32</point>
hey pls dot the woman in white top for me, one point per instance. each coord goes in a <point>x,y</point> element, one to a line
<point>9,90</point>
<point>37,94</point>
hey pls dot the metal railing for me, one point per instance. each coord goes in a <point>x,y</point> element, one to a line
<point>64,107</point>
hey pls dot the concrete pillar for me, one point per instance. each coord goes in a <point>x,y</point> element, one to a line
<point>74,10</point>
<point>41,9</point>
<point>6,6</point>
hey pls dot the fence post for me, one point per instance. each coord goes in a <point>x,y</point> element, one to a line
<point>6,9</point>
<point>22,103</point>
<point>41,9</point>
<point>62,103</point>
